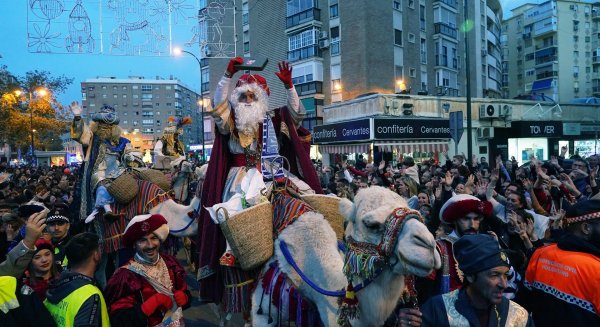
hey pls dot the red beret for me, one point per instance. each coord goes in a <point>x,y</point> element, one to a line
<point>461,205</point>
<point>253,78</point>
<point>42,244</point>
<point>142,225</point>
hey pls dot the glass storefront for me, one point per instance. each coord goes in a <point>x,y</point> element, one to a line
<point>524,148</point>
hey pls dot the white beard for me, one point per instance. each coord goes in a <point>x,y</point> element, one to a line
<point>248,117</point>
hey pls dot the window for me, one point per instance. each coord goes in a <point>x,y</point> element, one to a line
<point>411,38</point>
<point>147,122</point>
<point>134,87</point>
<point>397,5</point>
<point>124,96</point>
<point>422,17</point>
<point>135,96</point>
<point>336,78</point>
<point>246,37</point>
<point>423,51</point>
<point>104,96</point>
<point>104,87</point>
<point>335,40</point>
<point>115,96</point>
<point>245,13</point>
<point>147,96</point>
<point>146,87</point>
<point>114,87</point>
<point>412,72</point>
<point>530,72</point>
<point>397,37</point>
<point>124,88</point>
<point>333,11</point>
<point>297,6</point>
<point>399,70</point>
<point>303,39</point>
<point>167,87</point>
<point>411,4</point>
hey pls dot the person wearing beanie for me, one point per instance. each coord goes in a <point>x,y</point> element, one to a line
<point>58,226</point>
<point>244,123</point>
<point>42,268</point>
<point>480,302</point>
<point>74,299</point>
<point>151,287</point>
<point>463,213</point>
<point>562,282</point>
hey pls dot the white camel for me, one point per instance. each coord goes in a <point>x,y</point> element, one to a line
<point>181,219</point>
<point>312,243</point>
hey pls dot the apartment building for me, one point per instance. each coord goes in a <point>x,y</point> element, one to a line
<point>340,50</point>
<point>552,49</point>
<point>144,106</point>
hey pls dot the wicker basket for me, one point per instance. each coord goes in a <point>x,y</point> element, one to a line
<point>123,188</point>
<point>155,176</point>
<point>329,207</point>
<point>250,235</point>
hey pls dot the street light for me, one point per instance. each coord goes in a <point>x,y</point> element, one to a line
<point>178,52</point>
<point>41,92</point>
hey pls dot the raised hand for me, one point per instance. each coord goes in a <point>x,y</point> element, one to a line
<point>231,66</point>
<point>527,184</point>
<point>381,164</point>
<point>285,74</point>
<point>448,179</point>
<point>482,187</point>
<point>75,108</point>
<point>34,227</point>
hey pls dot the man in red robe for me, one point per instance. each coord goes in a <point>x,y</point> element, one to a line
<point>150,289</point>
<point>239,118</point>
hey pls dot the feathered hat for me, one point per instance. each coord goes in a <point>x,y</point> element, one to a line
<point>175,123</point>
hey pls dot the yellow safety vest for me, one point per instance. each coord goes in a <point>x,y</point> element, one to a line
<point>65,261</point>
<point>64,312</point>
<point>8,293</point>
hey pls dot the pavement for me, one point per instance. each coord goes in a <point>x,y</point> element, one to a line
<point>202,315</point>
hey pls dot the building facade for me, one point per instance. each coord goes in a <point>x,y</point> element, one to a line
<point>552,49</point>
<point>340,50</point>
<point>144,106</point>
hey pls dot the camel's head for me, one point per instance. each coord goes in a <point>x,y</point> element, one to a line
<point>380,220</point>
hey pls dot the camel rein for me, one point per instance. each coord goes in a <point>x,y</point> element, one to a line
<point>340,293</point>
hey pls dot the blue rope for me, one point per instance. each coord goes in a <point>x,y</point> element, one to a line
<point>341,293</point>
<point>184,228</point>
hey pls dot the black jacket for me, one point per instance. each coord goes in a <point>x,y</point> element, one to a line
<point>30,313</point>
<point>89,314</point>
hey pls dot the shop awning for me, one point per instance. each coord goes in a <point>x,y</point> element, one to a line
<point>344,148</point>
<point>414,146</point>
<point>542,85</point>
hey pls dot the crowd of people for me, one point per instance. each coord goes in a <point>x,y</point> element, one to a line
<point>543,218</point>
<point>517,245</point>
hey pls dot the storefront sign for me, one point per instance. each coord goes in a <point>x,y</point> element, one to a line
<point>386,129</point>
<point>571,129</point>
<point>355,130</point>
<point>537,128</point>
<point>590,128</point>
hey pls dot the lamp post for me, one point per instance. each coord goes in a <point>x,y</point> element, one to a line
<point>467,26</point>
<point>177,52</point>
<point>40,92</point>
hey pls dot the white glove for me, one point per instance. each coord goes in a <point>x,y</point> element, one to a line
<point>75,108</point>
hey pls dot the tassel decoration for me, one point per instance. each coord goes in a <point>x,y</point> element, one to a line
<point>349,307</point>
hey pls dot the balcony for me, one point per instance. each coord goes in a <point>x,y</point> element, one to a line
<point>446,91</point>
<point>451,3</point>
<point>546,74</point>
<point>303,17</point>
<point>596,14</point>
<point>303,53</point>
<point>309,88</point>
<point>547,59</point>
<point>596,60</point>
<point>441,28</point>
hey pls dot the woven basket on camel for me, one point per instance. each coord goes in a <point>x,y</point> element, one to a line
<point>328,206</point>
<point>155,176</point>
<point>250,235</point>
<point>124,188</point>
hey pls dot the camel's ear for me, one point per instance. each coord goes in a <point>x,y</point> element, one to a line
<point>347,210</point>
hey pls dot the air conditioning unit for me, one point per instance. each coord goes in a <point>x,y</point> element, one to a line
<point>323,44</point>
<point>485,133</point>
<point>506,111</point>
<point>488,111</point>
<point>323,35</point>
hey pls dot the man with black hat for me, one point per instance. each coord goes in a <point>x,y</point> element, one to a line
<point>58,226</point>
<point>563,279</point>
<point>480,302</point>
<point>150,289</point>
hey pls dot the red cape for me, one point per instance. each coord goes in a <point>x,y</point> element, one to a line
<point>211,242</point>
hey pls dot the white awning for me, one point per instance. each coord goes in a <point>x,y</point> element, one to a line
<point>411,146</point>
<point>344,148</point>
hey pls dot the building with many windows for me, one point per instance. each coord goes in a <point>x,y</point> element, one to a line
<point>552,49</point>
<point>144,106</point>
<point>341,50</point>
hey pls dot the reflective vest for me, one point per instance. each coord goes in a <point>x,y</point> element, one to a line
<point>8,295</point>
<point>569,276</point>
<point>65,261</point>
<point>64,312</point>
